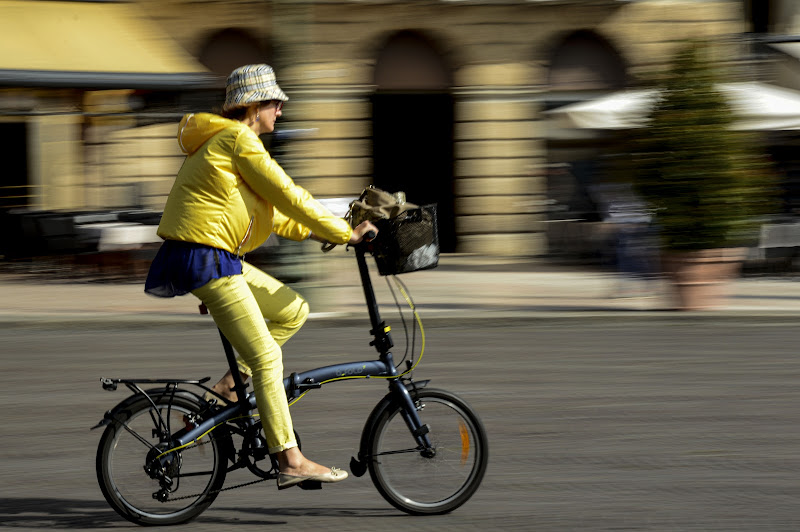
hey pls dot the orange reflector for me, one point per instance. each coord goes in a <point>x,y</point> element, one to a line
<point>462,429</point>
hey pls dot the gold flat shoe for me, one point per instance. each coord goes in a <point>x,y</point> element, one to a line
<point>287,481</point>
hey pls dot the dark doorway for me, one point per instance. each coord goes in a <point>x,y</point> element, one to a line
<point>413,152</point>
<point>14,189</point>
<point>759,15</point>
<point>412,133</point>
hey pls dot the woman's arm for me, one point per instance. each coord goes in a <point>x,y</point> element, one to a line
<point>265,176</point>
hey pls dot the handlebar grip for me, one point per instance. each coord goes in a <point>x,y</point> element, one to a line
<point>369,235</point>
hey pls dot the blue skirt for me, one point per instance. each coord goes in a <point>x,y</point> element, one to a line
<point>180,267</point>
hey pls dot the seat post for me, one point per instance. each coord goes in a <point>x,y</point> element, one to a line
<point>238,385</point>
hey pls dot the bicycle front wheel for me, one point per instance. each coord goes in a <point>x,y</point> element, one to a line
<point>423,482</point>
<point>134,440</point>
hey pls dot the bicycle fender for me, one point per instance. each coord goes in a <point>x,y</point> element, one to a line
<point>358,466</point>
<point>111,415</point>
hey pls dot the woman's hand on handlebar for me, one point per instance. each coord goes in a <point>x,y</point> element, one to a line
<point>364,231</point>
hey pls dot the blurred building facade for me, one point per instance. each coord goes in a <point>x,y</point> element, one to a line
<point>773,48</point>
<point>443,100</point>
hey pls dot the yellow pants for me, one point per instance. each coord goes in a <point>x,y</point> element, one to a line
<point>239,305</point>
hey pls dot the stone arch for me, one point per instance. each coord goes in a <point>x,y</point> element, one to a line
<point>585,60</point>
<point>229,48</point>
<point>411,60</point>
<point>412,125</point>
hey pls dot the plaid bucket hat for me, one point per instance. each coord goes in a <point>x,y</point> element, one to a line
<point>251,84</point>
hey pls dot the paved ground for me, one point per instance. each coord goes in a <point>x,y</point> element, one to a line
<point>593,425</point>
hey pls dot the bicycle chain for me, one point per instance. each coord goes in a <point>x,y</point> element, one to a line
<point>218,491</point>
<point>198,444</point>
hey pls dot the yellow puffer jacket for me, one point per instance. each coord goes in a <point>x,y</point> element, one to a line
<point>230,194</point>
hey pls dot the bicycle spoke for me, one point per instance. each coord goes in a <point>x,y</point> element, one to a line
<point>385,453</point>
<point>135,435</point>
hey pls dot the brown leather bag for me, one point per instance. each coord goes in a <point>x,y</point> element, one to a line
<point>375,204</point>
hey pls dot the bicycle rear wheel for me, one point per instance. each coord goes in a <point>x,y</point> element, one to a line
<point>417,482</point>
<point>197,472</point>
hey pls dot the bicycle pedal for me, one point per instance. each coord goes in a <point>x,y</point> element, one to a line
<point>310,485</point>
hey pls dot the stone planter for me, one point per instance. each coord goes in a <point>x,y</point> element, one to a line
<point>701,279</point>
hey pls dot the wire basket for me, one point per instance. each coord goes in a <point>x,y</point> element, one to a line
<point>408,242</point>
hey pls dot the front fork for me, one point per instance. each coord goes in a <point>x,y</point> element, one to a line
<point>411,416</point>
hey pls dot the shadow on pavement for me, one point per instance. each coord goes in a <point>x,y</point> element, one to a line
<point>43,513</point>
<point>56,513</point>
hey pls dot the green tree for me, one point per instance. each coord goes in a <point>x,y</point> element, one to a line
<point>707,182</point>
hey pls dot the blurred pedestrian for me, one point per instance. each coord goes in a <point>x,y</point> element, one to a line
<point>636,252</point>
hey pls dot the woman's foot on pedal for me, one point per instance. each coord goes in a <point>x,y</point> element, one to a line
<point>296,468</point>
<point>333,475</point>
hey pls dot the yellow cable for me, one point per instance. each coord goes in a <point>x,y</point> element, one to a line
<point>421,351</point>
<point>298,398</point>
<point>419,322</point>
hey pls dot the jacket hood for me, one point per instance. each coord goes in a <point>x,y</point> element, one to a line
<point>196,128</point>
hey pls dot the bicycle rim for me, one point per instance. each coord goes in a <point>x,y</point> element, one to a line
<point>197,471</point>
<point>415,483</point>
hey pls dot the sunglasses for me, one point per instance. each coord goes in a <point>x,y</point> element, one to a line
<point>278,104</point>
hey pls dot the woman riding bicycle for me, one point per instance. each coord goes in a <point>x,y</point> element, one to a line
<point>227,198</point>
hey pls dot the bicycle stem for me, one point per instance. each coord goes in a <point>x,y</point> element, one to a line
<point>383,340</point>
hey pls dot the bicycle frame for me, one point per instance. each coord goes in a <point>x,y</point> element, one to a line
<point>299,383</point>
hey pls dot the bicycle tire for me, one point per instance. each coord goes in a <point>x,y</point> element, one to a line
<point>121,458</point>
<point>420,485</point>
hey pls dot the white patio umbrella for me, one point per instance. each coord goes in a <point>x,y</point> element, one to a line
<point>758,107</point>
